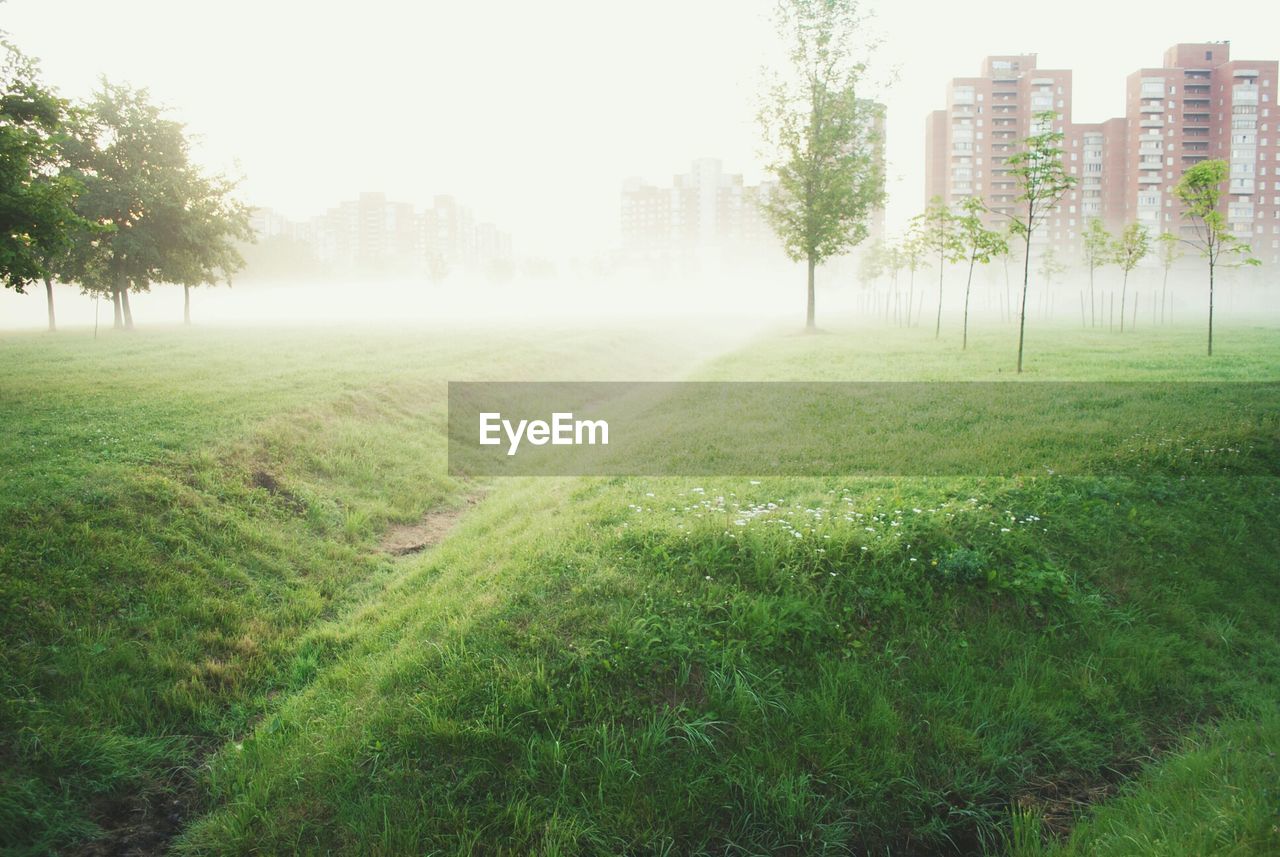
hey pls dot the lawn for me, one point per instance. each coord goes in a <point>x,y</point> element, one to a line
<point>205,648</point>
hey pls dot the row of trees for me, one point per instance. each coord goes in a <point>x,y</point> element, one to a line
<point>827,158</point>
<point>939,235</point>
<point>104,195</point>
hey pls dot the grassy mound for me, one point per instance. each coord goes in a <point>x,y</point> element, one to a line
<point>856,667</point>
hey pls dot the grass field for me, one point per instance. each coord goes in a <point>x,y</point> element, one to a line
<point>207,647</point>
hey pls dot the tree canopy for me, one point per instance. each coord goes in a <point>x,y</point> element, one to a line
<point>37,214</point>
<point>823,135</point>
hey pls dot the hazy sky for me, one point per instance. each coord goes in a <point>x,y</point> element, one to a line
<point>534,113</point>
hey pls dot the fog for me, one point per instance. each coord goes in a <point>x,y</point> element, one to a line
<point>535,115</point>
<point>741,302</point>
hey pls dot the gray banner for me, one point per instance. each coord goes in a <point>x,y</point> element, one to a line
<point>872,428</point>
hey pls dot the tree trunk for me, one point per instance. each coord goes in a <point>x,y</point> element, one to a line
<point>1211,307</point>
<point>48,291</point>
<point>117,320</point>
<point>1093,317</point>
<point>937,326</point>
<point>1164,290</point>
<point>911,294</point>
<point>186,304</point>
<point>1124,285</point>
<point>964,341</point>
<point>128,313</point>
<point>1022,319</point>
<point>1008,297</point>
<point>809,314</point>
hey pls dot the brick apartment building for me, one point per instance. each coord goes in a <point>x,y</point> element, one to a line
<point>1199,104</point>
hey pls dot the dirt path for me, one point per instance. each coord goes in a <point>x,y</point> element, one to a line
<point>404,539</point>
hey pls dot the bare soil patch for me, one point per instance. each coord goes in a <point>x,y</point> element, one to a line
<point>405,539</point>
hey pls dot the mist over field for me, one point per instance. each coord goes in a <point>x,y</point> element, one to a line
<point>769,427</point>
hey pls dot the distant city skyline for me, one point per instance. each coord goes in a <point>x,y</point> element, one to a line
<point>318,106</point>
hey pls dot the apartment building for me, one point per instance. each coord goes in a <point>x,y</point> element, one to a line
<point>376,236</point>
<point>1198,104</point>
<point>704,212</point>
<point>1201,104</point>
<point>708,212</point>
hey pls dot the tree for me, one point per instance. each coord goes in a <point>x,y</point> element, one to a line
<point>1169,252</point>
<point>37,217</point>
<point>873,263</point>
<point>1130,248</point>
<point>1200,190</point>
<point>823,137</point>
<point>979,244</point>
<point>914,257</point>
<point>1042,182</point>
<point>1097,252</point>
<point>168,222</point>
<point>1050,265</point>
<point>939,234</point>
<point>207,228</point>
<point>895,260</point>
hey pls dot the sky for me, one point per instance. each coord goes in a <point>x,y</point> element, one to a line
<point>534,114</point>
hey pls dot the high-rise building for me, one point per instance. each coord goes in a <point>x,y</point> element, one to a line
<point>968,143</point>
<point>1199,104</point>
<point>704,211</point>
<point>372,235</point>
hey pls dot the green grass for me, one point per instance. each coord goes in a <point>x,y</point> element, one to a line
<point>601,666</point>
<point>177,508</point>
<point>1216,795</point>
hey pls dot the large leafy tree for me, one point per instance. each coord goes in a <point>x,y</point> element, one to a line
<point>1130,248</point>
<point>169,223</point>
<point>1042,182</point>
<point>938,232</point>
<point>1200,190</point>
<point>978,244</point>
<point>822,135</point>
<point>1097,252</point>
<point>37,216</point>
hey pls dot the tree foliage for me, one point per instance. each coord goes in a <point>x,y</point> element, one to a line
<point>37,214</point>
<point>1042,182</point>
<point>1131,247</point>
<point>979,244</point>
<point>1200,190</point>
<point>822,135</point>
<point>938,232</point>
<point>169,222</point>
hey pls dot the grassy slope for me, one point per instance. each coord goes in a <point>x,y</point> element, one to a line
<point>582,666</point>
<point>620,665</point>
<point>177,510</point>
<point>1217,795</point>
